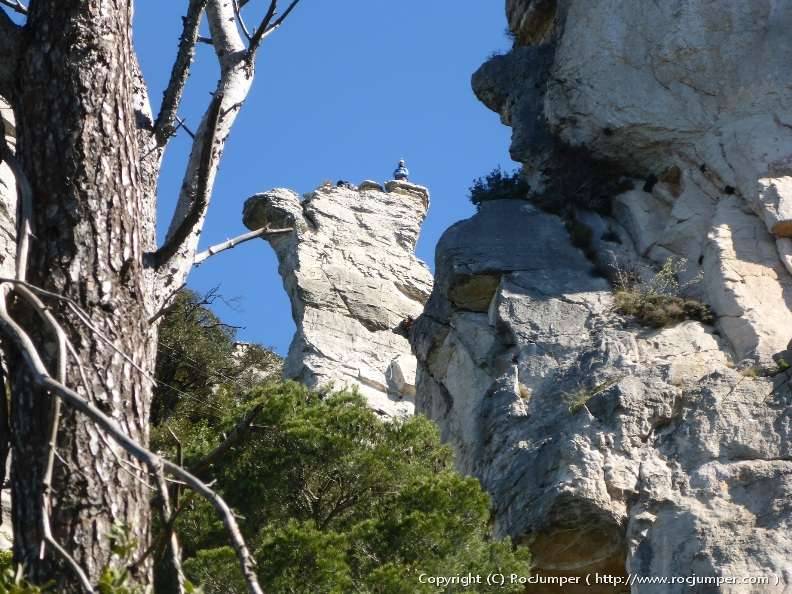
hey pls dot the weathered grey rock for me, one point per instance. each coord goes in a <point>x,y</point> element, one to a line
<point>605,445</point>
<point>350,270</point>
<point>8,199</point>
<point>8,209</point>
<point>6,532</point>
<point>694,93</point>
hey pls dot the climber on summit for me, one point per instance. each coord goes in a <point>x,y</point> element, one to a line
<point>401,173</point>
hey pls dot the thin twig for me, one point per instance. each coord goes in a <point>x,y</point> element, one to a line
<point>266,29</point>
<point>167,304</point>
<point>46,487</point>
<point>167,515</point>
<point>183,124</point>
<point>201,198</point>
<point>234,437</point>
<point>180,462</point>
<point>232,243</point>
<point>240,20</point>
<point>164,126</point>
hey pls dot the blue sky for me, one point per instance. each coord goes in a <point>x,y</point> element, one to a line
<point>342,91</point>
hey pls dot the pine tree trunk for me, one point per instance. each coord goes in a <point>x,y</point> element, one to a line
<point>77,141</point>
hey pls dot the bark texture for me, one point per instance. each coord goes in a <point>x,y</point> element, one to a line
<point>78,144</point>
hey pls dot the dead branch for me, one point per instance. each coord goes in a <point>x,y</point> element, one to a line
<point>232,243</point>
<point>180,462</point>
<point>167,518</point>
<point>183,124</point>
<point>266,29</point>
<point>168,304</point>
<point>265,22</point>
<point>233,87</point>
<point>15,5</point>
<point>164,127</point>
<point>46,491</point>
<point>5,430</point>
<point>201,199</point>
<point>43,380</point>
<point>236,435</point>
<point>240,20</point>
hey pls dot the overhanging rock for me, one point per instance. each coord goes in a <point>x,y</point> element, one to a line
<point>350,270</point>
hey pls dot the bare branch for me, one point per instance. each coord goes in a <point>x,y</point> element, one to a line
<point>167,304</point>
<point>232,243</point>
<point>183,124</point>
<point>236,435</point>
<point>238,13</point>
<point>43,380</point>
<point>266,29</point>
<point>201,199</point>
<point>234,85</point>
<point>180,462</point>
<point>265,22</point>
<point>167,520</point>
<point>46,491</point>
<point>5,430</point>
<point>164,127</point>
<point>15,5</point>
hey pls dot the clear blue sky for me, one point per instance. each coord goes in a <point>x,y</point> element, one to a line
<point>342,91</point>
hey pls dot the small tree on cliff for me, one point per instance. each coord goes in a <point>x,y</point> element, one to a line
<point>79,319</point>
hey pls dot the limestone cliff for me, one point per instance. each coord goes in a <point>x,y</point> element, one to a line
<point>665,129</point>
<point>8,202</point>
<point>8,198</point>
<point>349,267</point>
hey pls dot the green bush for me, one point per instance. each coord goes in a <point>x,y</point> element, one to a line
<point>658,302</point>
<point>497,185</point>
<point>659,311</point>
<point>336,500</point>
<point>330,497</point>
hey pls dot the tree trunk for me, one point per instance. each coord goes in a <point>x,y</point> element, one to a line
<point>77,141</point>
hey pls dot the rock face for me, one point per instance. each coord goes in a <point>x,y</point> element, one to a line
<point>8,206</point>
<point>663,129</point>
<point>350,270</point>
<point>8,199</point>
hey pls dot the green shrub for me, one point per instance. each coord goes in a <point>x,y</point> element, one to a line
<point>659,311</point>
<point>757,371</point>
<point>578,399</point>
<point>337,500</point>
<point>658,303</point>
<point>497,185</point>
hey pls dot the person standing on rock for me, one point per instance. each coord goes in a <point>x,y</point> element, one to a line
<point>401,173</point>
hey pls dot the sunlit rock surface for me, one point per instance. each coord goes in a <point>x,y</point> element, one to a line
<point>350,270</point>
<point>664,128</point>
<point>8,199</point>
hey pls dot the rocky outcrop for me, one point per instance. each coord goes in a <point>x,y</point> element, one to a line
<point>8,205</point>
<point>6,532</point>
<point>691,96</point>
<point>349,267</point>
<point>662,130</point>
<point>8,199</point>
